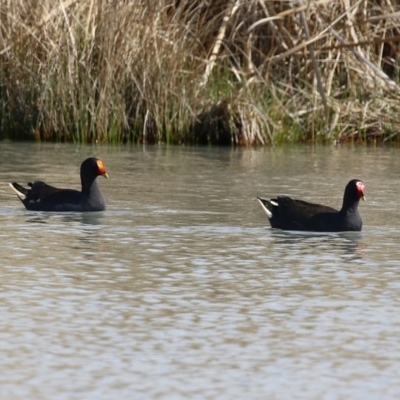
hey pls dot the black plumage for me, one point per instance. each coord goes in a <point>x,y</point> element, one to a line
<point>43,197</point>
<point>298,215</point>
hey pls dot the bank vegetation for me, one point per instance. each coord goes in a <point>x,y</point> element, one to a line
<point>200,72</point>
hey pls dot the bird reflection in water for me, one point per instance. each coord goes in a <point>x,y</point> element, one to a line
<point>343,244</point>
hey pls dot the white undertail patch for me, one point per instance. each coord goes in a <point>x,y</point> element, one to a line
<point>19,194</point>
<point>268,212</point>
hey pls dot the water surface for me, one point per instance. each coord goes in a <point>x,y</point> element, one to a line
<point>181,290</point>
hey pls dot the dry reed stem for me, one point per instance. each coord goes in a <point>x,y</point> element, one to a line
<point>218,42</point>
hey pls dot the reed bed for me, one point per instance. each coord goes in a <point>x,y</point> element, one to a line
<point>199,72</point>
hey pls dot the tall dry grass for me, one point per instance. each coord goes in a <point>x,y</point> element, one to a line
<point>197,71</point>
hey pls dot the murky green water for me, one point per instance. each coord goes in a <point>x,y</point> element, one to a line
<point>181,290</point>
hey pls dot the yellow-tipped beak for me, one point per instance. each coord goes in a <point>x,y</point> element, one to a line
<point>105,175</point>
<point>363,198</point>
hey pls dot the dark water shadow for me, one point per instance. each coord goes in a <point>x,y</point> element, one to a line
<point>88,218</point>
<point>82,233</point>
<point>337,244</point>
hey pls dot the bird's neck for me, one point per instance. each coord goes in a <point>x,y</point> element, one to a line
<point>89,186</point>
<point>350,205</point>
